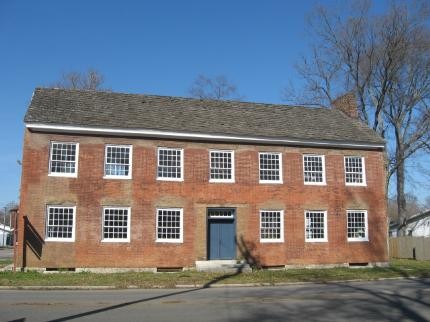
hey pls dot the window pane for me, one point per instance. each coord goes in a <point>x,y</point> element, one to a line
<point>353,170</point>
<point>270,225</point>
<point>357,224</point>
<point>59,222</point>
<point>270,167</point>
<point>63,158</point>
<point>117,162</point>
<point>169,224</point>
<point>315,225</point>
<point>169,163</point>
<point>115,223</point>
<point>313,168</point>
<point>221,165</point>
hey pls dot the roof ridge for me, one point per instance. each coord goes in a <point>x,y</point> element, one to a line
<point>184,98</point>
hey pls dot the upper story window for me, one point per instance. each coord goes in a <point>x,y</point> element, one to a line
<point>169,225</point>
<point>314,169</point>
<point>221,166</point>
<point>357,225</point>
<point>60,223</point>
<point>116,224</point>
<point>170,164</point>
<point>271,226</point>
<point>316,226</point>
<point>63,159</point>
<point>118,160</point>
<point>355,171</point>
<point>270,167</point>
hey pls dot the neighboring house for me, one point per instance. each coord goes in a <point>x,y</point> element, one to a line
<point>6,235</point>
<point>115,180</point>
<point>417,225</point>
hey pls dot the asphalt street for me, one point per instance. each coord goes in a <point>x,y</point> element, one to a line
<point>389,300</point>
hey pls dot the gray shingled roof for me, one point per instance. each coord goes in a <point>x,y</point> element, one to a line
<point>150,112</point>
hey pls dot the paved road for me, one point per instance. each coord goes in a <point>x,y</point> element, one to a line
<point>390,300</point>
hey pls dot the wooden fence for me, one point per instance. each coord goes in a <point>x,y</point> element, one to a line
<point>410,247</point>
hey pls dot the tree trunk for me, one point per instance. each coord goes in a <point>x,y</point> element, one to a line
<point>400,176</point>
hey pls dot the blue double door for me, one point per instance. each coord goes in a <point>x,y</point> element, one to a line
<point>221,234</point>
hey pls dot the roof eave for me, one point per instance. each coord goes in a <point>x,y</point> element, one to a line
<point>58,128</point>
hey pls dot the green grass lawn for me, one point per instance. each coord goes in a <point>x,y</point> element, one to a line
<point>398,268</point>
<point>5,262</point>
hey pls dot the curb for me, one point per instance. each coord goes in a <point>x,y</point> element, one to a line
<point>192,286</point>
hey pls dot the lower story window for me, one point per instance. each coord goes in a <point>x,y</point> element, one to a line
<point>357,225</point>
<point>116,224</point>
<point>316,226</point>
<point>169,225</point>
<point>60,223</point>
<point>271,226</point>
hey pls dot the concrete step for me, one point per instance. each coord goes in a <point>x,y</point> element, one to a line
<point>224,266</point>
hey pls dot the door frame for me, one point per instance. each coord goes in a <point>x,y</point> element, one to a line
<point>208,209</point>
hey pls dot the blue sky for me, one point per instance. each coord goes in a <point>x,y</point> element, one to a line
<point>156,47</point>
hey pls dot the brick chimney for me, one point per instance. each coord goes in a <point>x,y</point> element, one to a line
<point>346,103</point>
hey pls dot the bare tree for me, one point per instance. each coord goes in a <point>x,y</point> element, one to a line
<point>216,88</point>
<point>385,60</point>
<point>91,80</point>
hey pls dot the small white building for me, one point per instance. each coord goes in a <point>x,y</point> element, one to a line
<point>6,236</point>
<point>417,226</point>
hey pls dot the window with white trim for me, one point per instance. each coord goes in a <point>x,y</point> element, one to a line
<point>355,171</point>
<point>63,159</point>
<point>118,161</point>
<point>271,226</point>
<point>221,166</point>
<point>169,225</point>
<point>316,226</point>
<point>170,164</point>
<point>270,167</point>
<point>116,224</point>
<point>314,169</point>
<point>60,223</point>
<point>357,225</point>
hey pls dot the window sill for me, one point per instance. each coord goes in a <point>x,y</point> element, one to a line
<point>220,181</point>
<point>117,177</point>
<point>271,241</point>
<point>270,182</point>
<point>354,240</point>
<point>315,183</point>
<point>355,184</point>
<point>122,241</point>
<point>171,179</point>
<point>169,241</point>
<point>64,175</point>
<point>60,240</point>
<point>316,240</point>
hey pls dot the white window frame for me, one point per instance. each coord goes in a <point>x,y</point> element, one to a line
<point>181,232</point>
<point>280,181</point>
<point>366,227</point>
<point>56,239</point>
<point>318,240</point>
<point>182,164</point>
<point>117,240</point>
<point>232,180</point>
<point>323,183</point>
<point>130,160</point>
<point>62,174</point>
<point>273,240</point>
<point>363,170</point>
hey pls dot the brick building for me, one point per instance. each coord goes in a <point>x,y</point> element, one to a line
<point>144,182</point>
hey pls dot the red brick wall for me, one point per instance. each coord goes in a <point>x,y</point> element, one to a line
<point>90,192</point>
